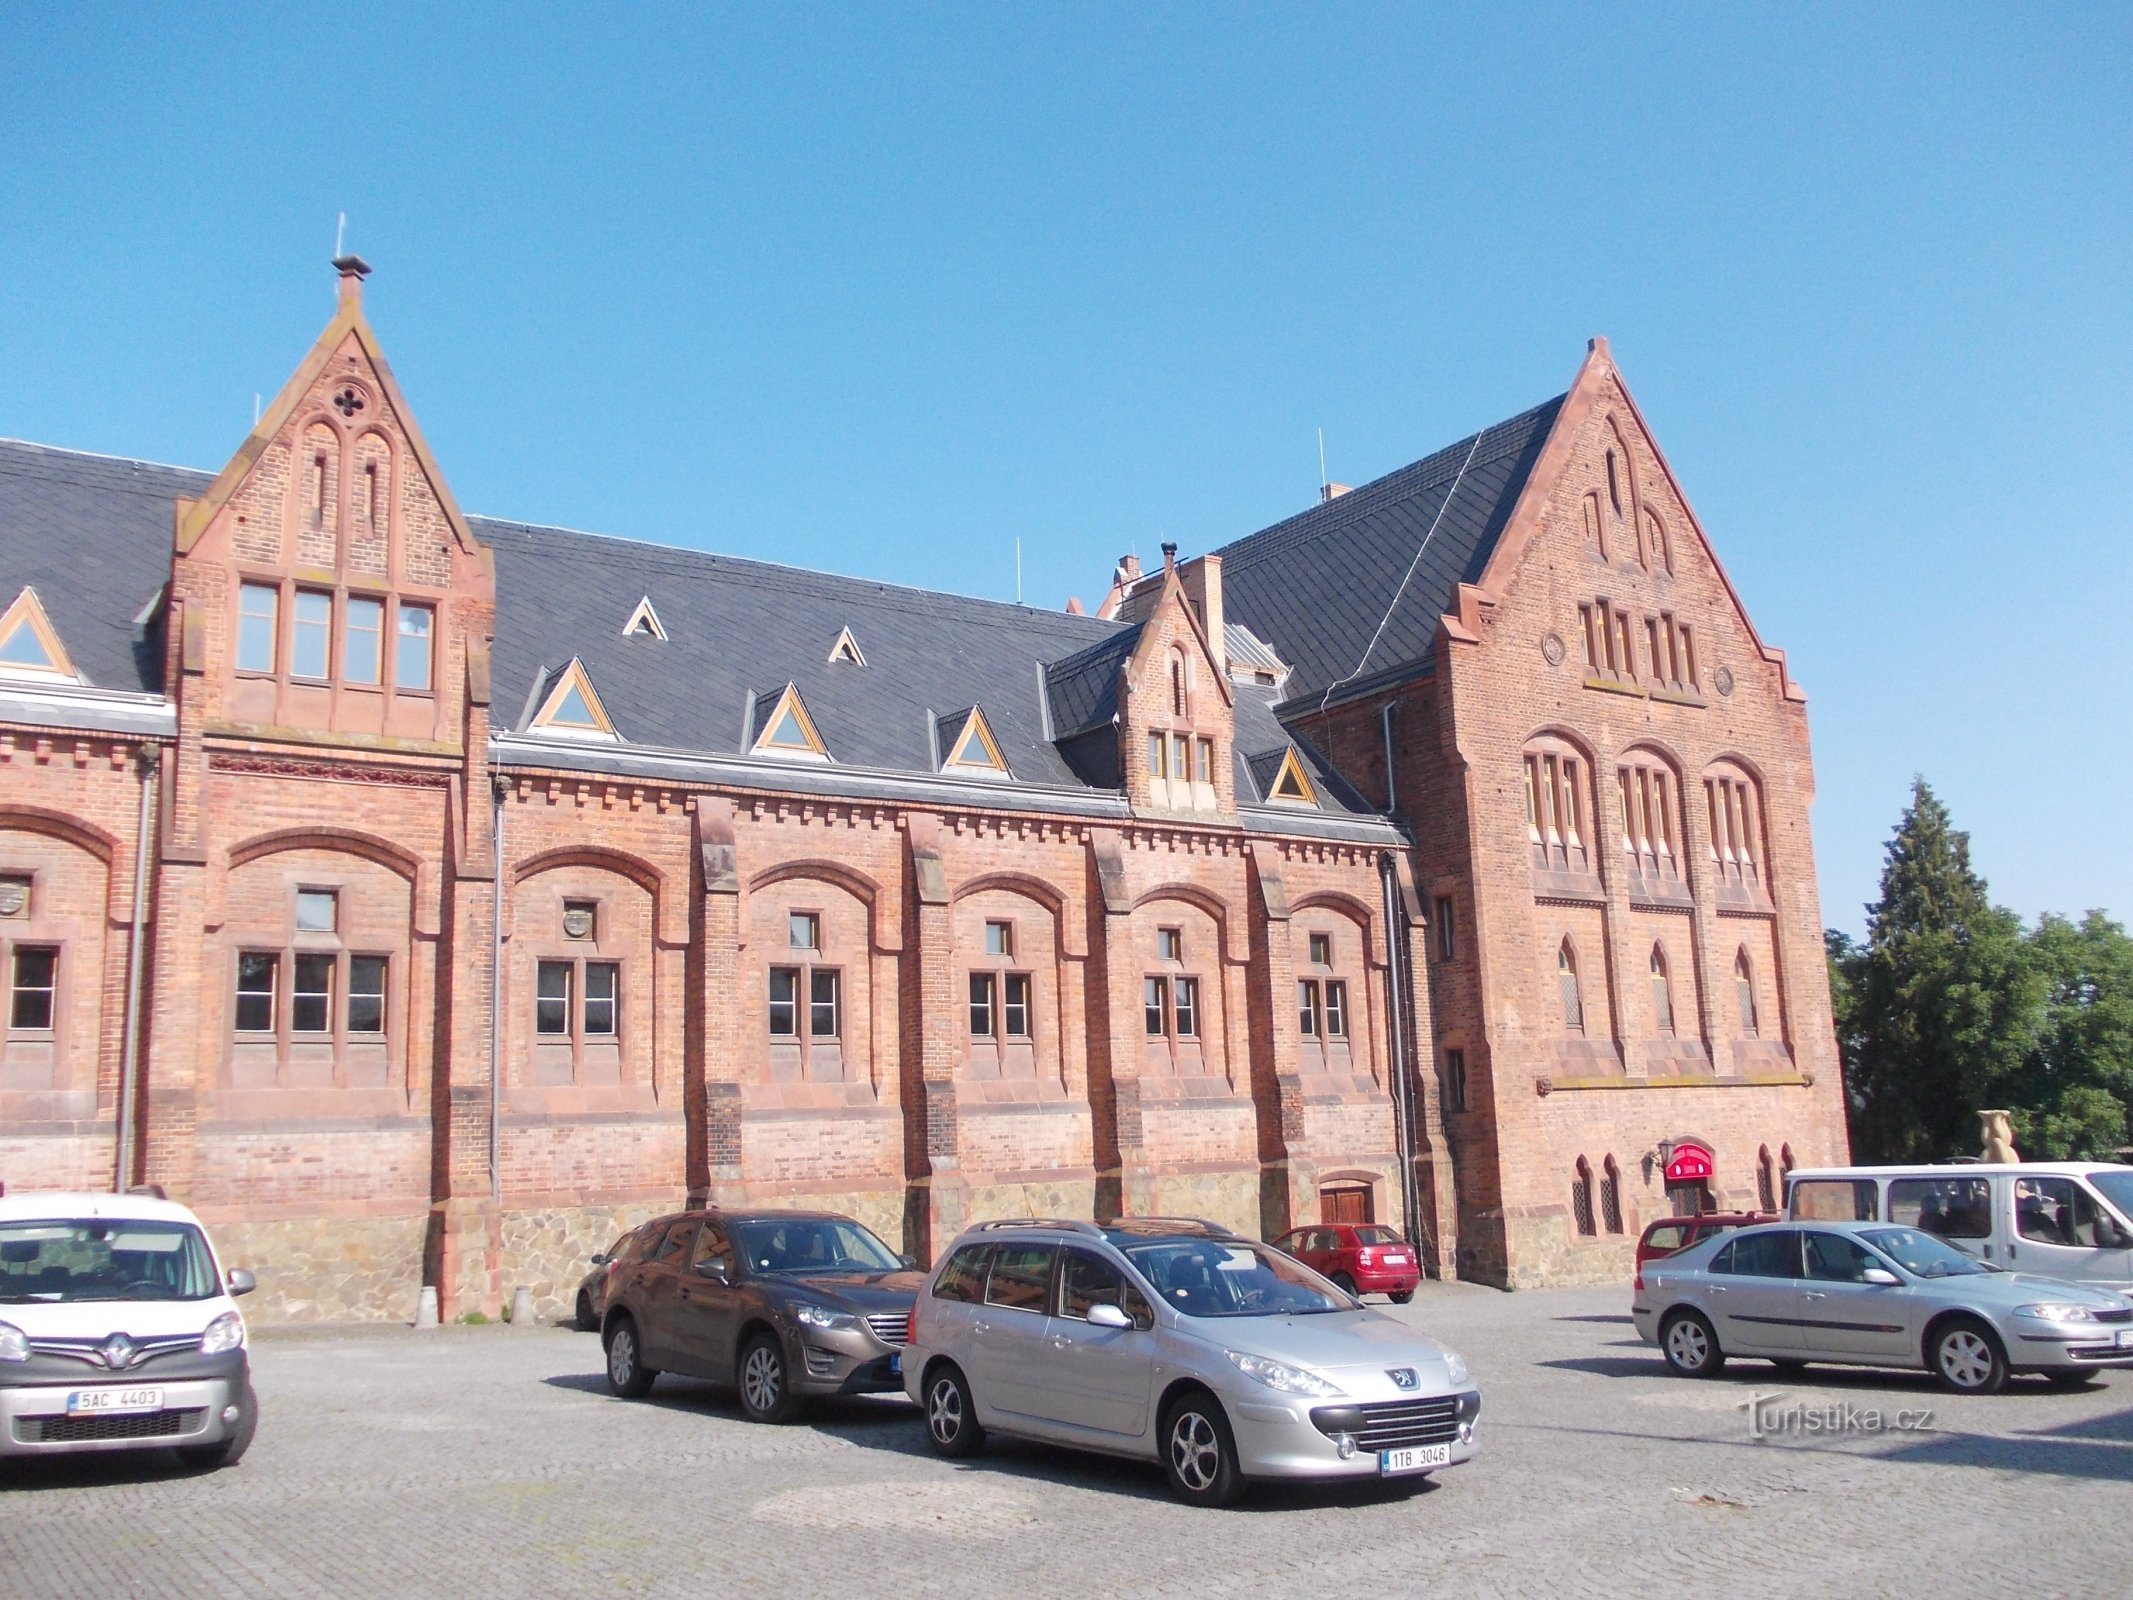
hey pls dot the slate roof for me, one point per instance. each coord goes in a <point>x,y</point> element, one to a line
<point>734,625</point>
<point>92,535</point>
<point>1315,586</point>
<point>1084,686</point>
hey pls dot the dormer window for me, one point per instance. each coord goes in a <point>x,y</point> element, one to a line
<point>846,651</point>
<point>787,730</point>
<point>572,708</point>
<point>29,646</point>
<point>1292,785</point>
<point>971,746</point>
<point>644,622</point>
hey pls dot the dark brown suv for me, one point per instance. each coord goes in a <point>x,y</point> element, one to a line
<point>780,1304</point>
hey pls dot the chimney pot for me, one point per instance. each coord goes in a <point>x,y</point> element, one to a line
<point>353,270</point>
<point>1170,557</point>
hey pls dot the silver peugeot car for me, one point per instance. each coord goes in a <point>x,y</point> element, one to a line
<point>1180,1342</point>
<point>1873,1294</point>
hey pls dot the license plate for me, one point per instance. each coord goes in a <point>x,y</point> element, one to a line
<point>82,1400</point>
<point>1399,1260</point>
<point>2125,1338</point>
<point>896,1366</point>
<point>1416,1458</point>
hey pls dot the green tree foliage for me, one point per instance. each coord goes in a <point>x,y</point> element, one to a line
<point>1949,1007</point>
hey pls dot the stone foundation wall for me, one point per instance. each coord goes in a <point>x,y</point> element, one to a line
<point>327,1269</point>
<point>549,1250</point>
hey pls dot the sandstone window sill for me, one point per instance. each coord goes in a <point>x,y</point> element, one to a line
<point>1702,1080</point>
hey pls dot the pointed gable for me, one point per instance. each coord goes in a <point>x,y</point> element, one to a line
<point>29,644</point>
<point>644,622</point>
<point>783,727</point>
<point>967,739</point>
<point>570,707</point>
<point>1290,784</point>
<point>846,651</point>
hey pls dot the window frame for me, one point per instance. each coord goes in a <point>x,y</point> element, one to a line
<point>12,952</point>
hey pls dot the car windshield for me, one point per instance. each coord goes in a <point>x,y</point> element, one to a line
<point>103,1259</point>
<point>1232,1278</point>
<point>2117,1188</point>
<point>802,1246</point>
<point>1921,1254</point>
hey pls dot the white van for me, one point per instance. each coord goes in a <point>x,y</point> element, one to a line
<point>119,1331</point>
<point>2058,1219</point>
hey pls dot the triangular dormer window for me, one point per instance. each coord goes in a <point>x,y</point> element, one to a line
<point>29,646</point>
<point>787,730</point>
<point>972,747</point>
<point>1292,785</point>
<point>846,650</point>
<point>571,709</point>
<point>644,622</point>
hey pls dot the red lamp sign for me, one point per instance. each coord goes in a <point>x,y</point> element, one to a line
<point>1689,1163</point>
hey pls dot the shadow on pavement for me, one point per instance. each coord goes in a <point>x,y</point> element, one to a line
<point>22,1474</point>
<point>1622,1319</point>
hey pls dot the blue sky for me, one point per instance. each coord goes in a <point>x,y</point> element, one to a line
<point>882,290</point>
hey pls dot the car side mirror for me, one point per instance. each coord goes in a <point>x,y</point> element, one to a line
<point>241,1281</point>
<point>909,1261</point>
<point>1880,1277</point>
<point>598,1258</point>
<point>715,1269</point>
<point>1108,1316</point>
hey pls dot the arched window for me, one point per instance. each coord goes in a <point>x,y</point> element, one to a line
<point>1734,810</point>
<point>1662,993</point>
<point>1614,482</point>
<point>1651,818</point>
<point>1765,1179</point>
<point>1744,992</point>
<point>1566,972</point>
<point>1611,1195</point>
<point>1659,549</point>
<point>1581,1198</point>
<point>1178,683</point>
<point>1558,803</point>
<point>1595,524</point>
<point>1785,1162</point>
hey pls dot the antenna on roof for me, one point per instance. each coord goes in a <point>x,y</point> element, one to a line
<point>255,408</point>
<point>1323,480</point>
<point>1018,569</point>
<point>340,227</point>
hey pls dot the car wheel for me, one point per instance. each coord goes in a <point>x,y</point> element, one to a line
<point>586,1320</point>
<point>1967,1358</point>
<point>1691,1347</point>
<point>766,1394</point>
<point>225,1452</point>
<point>951,1416</point>
<point>627,1375</point>
<point>1400,1297</point>
<point>1344,1283</point>
<point>1199,1455</point>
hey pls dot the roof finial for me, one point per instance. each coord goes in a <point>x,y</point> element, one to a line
<point>1170,557</point>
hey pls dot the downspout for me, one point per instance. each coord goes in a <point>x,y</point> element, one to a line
<point>496,990</point>
<point>1402,1096</point>
<point>1392,790</point>
<point>150,763</point>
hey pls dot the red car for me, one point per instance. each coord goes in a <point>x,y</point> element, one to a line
<point>1360,1257</point>
<point>1669,1235</point>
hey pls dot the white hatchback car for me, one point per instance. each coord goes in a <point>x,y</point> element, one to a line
<point>119,1331</point>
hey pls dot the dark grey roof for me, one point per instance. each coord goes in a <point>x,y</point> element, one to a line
<point>92,535</point>
<point>1261,743</point>
<point>1084,686</point>
<point>1315,586</point>
<point>736,625</point>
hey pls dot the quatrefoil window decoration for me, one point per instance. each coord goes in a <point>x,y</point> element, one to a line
<point>348,402</point>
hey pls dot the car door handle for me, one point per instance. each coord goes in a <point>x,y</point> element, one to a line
<point>981,1327</point>
<point>1814,1294</point>
<point>1061,1342</point>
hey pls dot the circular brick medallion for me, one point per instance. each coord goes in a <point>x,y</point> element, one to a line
<point>1723,677</point>
<point>1552,648</point>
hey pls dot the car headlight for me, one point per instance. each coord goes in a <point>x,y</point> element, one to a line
<point>14,1343</point>
<point>1279,1375</point>
<point>226,1332</point>
<point>1455,1367</point>
<point>813,1316</point>
<point>2056,1313</point>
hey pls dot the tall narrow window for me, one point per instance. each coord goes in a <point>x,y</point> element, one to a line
<point>981,1005</point>
<point>601,983</point>
<point>784,1002</point>
<point>1765,1180</point>
<point>311,641</point>
<point>1307,1009</point>
<point>366,994</point>
<point>1015,1005</point>
<point>1730,806</point>
<point>31,987</point>
<point>1611,1195</point>
<point>1336,1009</point>
<point>362,652</point>
<point>1581,1197</point>
<point>318,489</point>
<point>1185,1002</point>
<point>823,1019</point>
<point>551,1002</point>
<point>370,493</point>
<point>1177,685</point>
<point>1203,761</point>
<point>1155,1006</point>
<point>256,971</point>
<point>1662,993</point>
<point>1744,992</point>
<point>1447,933</point>
<point>1455,1080</point>
<point>311,994</point>
<point>411,653</point>
<point>1158,753</point>
<point>258,613</point>
<point>1566,979</point>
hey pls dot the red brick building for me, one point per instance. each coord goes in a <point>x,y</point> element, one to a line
<point>424,898</point>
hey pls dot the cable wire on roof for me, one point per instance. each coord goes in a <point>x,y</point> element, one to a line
<point>1407,577</point>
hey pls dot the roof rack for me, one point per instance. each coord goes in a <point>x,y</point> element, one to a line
<point>1062,1223</point>
<point>1169,1225</point>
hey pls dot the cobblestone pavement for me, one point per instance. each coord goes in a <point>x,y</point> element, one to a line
<point>490,1462</point>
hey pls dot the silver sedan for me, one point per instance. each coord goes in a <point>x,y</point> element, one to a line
<point>1874,1294</point>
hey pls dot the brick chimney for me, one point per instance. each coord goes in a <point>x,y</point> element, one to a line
<point>353,270</point>
<point>1202,580</point>
<point>1332,491</point>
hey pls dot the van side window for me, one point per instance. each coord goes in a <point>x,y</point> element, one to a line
<point>2056,1211</point>
<point>1949,1208</point>
<point>1835,1200</point>
<point>964,1276</point>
